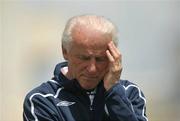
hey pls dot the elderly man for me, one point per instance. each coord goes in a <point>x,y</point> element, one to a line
<point>87,87</point>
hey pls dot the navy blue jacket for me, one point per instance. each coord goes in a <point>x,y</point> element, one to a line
<point>61,99</point>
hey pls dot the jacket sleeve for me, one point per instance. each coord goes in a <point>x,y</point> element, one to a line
<point>125,103</point>
<point>38,108</point>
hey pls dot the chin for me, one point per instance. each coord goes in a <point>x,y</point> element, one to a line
<point>88,84</point>
<point>87,87</point>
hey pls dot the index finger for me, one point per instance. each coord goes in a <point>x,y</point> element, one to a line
<point>114,50</point>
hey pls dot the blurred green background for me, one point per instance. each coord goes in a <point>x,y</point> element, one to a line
<point>149,39</point>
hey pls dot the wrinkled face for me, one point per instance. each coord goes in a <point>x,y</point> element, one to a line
<point>87,60</point>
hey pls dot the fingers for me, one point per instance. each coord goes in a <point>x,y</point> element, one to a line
<point>113,53</point>
<point>110,57</point>
<point>115,66</point>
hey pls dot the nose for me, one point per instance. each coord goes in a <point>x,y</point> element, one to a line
<point>91,68</point>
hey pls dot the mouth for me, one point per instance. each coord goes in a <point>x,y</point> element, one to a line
<point>90,77</point>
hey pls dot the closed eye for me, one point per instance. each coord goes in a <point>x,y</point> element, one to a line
<point>81,57</point>
<point>101,59</point>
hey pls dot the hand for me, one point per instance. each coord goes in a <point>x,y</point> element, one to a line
<point>115,66</point>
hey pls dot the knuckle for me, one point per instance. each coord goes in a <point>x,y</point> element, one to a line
<point>116,70</point>
<point>112,60</point>
<point>118,56</point>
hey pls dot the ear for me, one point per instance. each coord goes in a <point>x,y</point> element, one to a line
<point>65,53</point>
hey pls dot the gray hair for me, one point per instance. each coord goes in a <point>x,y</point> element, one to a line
<point>98,23</point>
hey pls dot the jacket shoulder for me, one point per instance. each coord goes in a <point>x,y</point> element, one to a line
<point>41,99</point>
<point>132,90</point>
<point>42,88</point>
<point>49,87</point>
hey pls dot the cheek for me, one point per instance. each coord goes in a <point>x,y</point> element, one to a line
<point>72,65</point>
<point>103,67</point>
<point>76,65</point>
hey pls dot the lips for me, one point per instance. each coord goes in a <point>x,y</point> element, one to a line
<point>90,77</point>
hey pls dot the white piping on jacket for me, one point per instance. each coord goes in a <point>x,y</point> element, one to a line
<point>25,116</point>
<point>53,81</point>
<point>57,93</point>
<point>46,95</point>
<point>140,95</point>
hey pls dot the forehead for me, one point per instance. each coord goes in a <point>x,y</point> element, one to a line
<point>89,37</point>
<point>84,49</point>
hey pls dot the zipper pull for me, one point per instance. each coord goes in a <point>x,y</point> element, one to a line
<point>91,95</point>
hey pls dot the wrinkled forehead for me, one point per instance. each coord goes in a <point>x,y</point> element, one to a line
<point>89,37</point>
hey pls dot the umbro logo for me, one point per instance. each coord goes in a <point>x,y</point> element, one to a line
<point>65,103</point>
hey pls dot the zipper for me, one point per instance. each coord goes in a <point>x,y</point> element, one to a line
<point>91,96</point>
